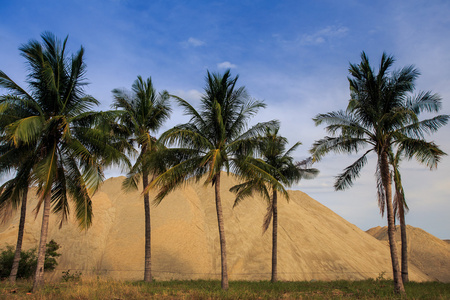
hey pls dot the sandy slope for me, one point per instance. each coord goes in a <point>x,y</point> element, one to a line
<point>426,251</point>
<point>314,242</point>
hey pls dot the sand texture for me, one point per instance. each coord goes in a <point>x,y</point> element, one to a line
<point>314,243</point>
<point>425,251</point>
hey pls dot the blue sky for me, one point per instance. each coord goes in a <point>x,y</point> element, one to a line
<point>294,55</point>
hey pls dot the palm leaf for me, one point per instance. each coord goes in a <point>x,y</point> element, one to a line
<point>345,179</point>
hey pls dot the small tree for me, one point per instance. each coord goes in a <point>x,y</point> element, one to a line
<point>142,113</point>
<point>277,163</point>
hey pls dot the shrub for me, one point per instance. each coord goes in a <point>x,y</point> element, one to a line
<point>50,262</point>
<point>67,276</point>
<point>28,260</point>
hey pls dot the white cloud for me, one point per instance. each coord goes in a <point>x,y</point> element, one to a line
<point>323,35</point>
<point>190,96</point>
<point>194,42</point>
<point>226,65</point>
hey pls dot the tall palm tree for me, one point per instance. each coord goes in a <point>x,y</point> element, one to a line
<point>14,192</point>
<point>142,112</point>
<point>379,116</point>
<point>400,205</point>
<point>58,127</point>
<point>278,162</point>
<point>210,142</point>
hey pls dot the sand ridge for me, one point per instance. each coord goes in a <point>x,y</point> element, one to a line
<point>425,251</point>
<point>314,243</point>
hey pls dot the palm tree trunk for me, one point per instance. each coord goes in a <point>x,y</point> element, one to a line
<point>23,213</point>
<point>405,277</point>
<point>148,232</point>
<point>223,249</point>
<point>39,276</point>
<point>274,236</point>
<point>385,177</point>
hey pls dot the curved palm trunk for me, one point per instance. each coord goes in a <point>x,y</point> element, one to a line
<point>223,249</point>
<point>148,249</point>
<point>23,213</point>
<point>385,177</point>
<point>274,237</point>
<point>39,276</point>
<point>405,276</point>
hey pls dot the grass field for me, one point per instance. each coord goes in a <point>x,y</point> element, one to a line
<point>204,289</point>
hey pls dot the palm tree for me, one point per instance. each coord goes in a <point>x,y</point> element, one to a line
<point>278,162</point>
<point>142,112</point>
<point>14,192</point>
<point>210,142</point>
<point>379,116</point>
<point>400,208</point>
<point>58,127</point>
<point>400,205</point>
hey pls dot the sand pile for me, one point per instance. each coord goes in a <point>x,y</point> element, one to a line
<point>314,242</point>
<point>425,251</point>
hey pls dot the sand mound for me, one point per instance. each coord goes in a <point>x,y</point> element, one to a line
<point>425,251</point>
<point>314,242</point>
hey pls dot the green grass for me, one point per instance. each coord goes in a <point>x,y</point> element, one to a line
<point>209,289</point>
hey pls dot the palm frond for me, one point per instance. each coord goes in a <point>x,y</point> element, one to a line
<point>8,84</point>
<point>419,129</point>
<point>25,130</point>
<point>338,144</point>
<point>424,101</point>
<point>186,136</point>
<point>248,189</point>
<point>381,193</point>
<point>189,110</point>
<point>427,153</point>
<point>345,179</point>
<point>46,171</point>
<point>267,218</point>
<point>59,197</point>
<point>399,202</point>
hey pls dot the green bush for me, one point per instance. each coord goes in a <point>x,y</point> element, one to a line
<point>28,260</point>
<point>50,262</point>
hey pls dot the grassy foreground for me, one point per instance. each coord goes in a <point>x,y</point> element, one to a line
<point>203,289</point>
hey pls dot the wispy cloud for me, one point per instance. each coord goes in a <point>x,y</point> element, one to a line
<point>193,42</point>
<point>190,95</point>
<point>226,65</point>
<point>323,35</point>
